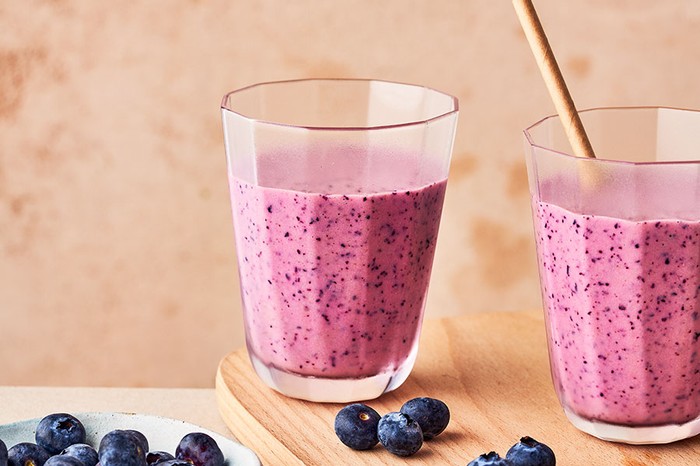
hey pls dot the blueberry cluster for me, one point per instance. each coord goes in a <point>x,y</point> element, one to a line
<point>402,433</point>
<point>527,452</point>
<point>60,441</point>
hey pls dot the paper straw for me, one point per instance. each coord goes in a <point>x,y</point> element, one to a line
<point>553,78</point>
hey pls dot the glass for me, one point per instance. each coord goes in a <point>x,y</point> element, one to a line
<point>337,189</point>
<point>618,246</point>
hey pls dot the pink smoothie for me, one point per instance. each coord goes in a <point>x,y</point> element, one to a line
<point>622,302</point>
<point>334,261</point>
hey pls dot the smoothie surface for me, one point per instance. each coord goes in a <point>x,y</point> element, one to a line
<point>334,270</point>
<point>622,301</point>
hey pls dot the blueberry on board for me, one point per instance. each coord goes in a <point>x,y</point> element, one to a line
<point>27,454</point>
<point>63,460</point>
<point>156,457</point>
<point>356,426</point>
<point>400,434</point>
<point>174,462</point>
<point>85,453</point>
<point>143,441</point>
<point>3,453</point>
<point>121,448</point>
<point>432,415</point>
<point>199,449</point>
<point>490,459</point>
<point>530,452</point>
<point>58,431</point>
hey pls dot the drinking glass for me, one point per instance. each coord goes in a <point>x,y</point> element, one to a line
<point>337,189</point>
<point>618,247</point>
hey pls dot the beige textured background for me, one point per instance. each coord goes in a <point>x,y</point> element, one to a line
<point>117,264</point>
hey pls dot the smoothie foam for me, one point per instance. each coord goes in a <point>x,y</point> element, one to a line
<point>334,269</point>
<point>622,302</point>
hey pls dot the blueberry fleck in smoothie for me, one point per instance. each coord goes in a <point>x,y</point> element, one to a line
<point>334,264</point>
<point>622,303</point>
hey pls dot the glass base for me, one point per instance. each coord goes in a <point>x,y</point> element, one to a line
<point>643,435</point>
<point>326,390</point>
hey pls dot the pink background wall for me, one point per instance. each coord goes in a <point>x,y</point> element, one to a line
<point>117,264</point>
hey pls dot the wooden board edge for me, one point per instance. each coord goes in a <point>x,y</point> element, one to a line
<point>246,428</point>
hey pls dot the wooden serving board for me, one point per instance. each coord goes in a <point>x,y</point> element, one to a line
<point>490,369</point>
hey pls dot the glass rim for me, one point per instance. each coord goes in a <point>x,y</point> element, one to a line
<point>531,142</point>
<point>454,109</point>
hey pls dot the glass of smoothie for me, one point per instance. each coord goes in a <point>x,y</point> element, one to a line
<point>618,247</point>
<point>337,188</point>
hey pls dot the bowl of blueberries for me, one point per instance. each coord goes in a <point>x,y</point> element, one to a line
<point>116,439</point>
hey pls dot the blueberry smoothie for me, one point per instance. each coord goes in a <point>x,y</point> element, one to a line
<point>334,264</point>
<point>622,302</point>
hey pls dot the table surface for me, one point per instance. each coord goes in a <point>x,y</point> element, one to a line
<point>492,371</point>
<point>194,405</point>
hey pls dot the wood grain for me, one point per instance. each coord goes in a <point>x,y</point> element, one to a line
<point>491,370</point>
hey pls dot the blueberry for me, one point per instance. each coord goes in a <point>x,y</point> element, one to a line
<point>63,460</point>
<point>356,426</point>
<point>530,452</point>
<point>143,441</point>
<point>400,434</point>
<point>199,449</point>
<point>85,453</point>
<point>3,453</point>
<point>432,415</point>
<point>27,454</point>
<point>490,459</point>
<point>121,448</point>
<point>174,462</point>
<point>155,457</point>
<point>58,431</point>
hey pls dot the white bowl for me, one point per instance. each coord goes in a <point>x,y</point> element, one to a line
<point>162,433</point>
